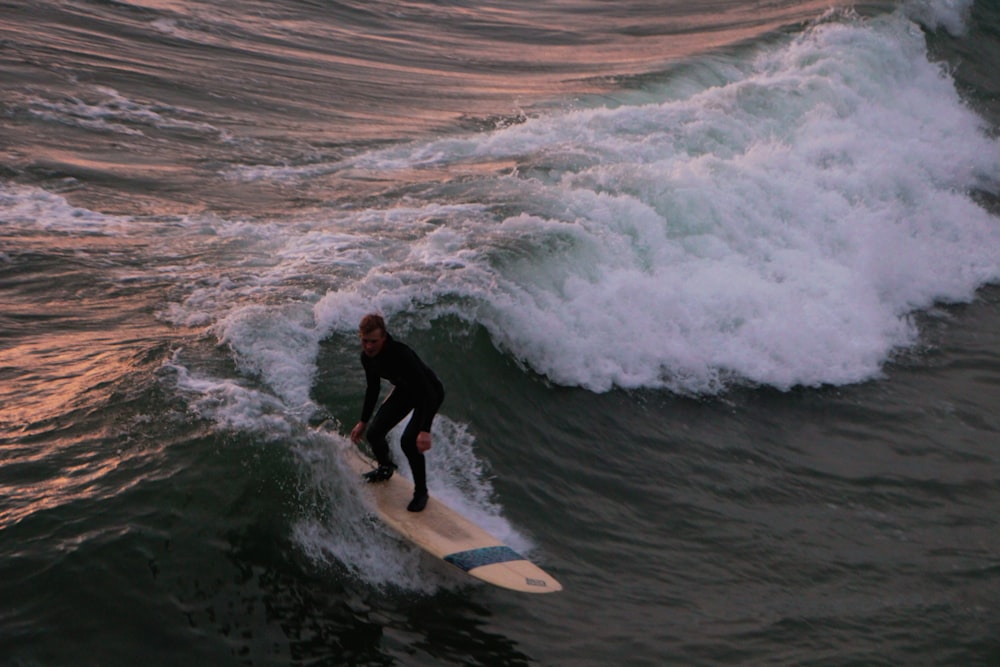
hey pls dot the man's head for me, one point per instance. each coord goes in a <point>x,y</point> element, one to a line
<point>373,335</point>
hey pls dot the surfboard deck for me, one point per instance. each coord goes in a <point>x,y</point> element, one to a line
<point>444,533</point>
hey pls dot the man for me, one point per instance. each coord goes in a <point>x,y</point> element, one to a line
<point>415,387</point>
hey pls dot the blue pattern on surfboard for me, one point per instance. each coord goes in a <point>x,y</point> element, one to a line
<point>473,558</point>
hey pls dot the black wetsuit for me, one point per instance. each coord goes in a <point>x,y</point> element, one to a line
<point>416,388</point>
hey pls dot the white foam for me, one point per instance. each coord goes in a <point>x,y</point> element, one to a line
<point>26,208</point>
<point>232,405</point>
<point>278,345</point>
<point>104,109</point>
<point>935,14</point>
<point>779,227</point>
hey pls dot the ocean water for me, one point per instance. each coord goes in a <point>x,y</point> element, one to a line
<point>714,289</point>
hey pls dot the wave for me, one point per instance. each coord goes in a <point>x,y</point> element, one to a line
<point>769,216</point>
<point>776,225</point>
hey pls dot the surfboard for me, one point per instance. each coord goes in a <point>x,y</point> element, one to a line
<point>444,533</point>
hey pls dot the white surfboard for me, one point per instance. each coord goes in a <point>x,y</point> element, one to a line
<point>446,534</point>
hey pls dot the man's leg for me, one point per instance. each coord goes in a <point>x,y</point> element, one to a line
<point>408,443</point>
<point>390,413</point>
<point>418,466</point>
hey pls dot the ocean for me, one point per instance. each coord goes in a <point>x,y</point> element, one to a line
<point>714,289</point>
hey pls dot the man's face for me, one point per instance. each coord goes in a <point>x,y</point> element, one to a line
<point>371,343</point>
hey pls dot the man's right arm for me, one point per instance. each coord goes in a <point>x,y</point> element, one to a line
<point>373,387</point>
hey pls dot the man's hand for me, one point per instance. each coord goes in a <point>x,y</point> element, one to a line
<point>423,441</point>
<point>358,432</point>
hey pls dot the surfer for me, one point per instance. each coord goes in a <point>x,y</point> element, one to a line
<point>415,387</point>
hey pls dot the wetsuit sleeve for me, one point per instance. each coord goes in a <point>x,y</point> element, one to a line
<point>372,391</point>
